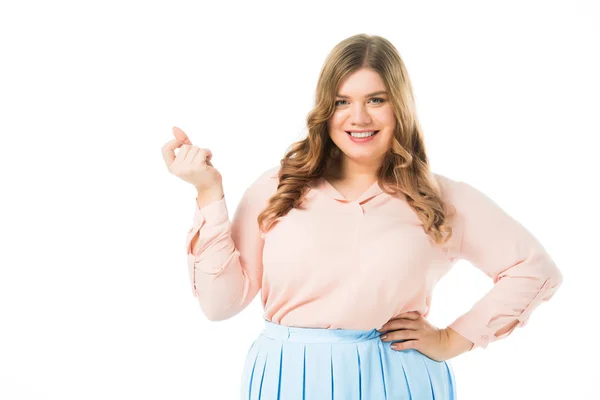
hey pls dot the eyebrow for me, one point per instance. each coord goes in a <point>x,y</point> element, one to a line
<point>369,95</point>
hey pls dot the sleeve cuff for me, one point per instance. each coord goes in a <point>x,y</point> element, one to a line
<point>475,324</point>
<point>211,214</point>
<point>467,326</point>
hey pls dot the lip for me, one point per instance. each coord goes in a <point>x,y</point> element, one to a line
<point>362,130</point>
<point>363,140</point>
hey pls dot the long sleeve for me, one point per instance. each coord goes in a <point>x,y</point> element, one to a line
<point>225,264</point>
<point>523,273</point>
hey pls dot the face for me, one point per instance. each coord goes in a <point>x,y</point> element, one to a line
<point>359,107</point>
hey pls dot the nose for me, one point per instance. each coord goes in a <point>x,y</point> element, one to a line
<point>359,115</point>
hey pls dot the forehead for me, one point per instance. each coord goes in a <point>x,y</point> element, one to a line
<point>361,83</point>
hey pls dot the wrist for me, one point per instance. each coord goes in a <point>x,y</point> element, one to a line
<point>457,344</point>
<point>208,196</point>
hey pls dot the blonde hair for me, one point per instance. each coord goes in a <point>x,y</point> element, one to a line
<point>405,167</point>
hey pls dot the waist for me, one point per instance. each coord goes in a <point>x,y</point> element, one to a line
<point>316,335</point>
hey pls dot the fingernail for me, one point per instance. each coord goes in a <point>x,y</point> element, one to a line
<point>383,337</point>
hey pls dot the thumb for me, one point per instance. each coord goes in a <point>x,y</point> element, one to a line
<point>168,151</point>
<point>180,135</point>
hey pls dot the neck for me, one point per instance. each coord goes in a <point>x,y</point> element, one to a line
<point>347,169</point>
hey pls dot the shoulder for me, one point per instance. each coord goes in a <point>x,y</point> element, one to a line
<point>265,184</point>
<point>468,200</point>
<point>458,192</point>
<point>464,200</point>
<point>449,187</point>
<point>268,177</point>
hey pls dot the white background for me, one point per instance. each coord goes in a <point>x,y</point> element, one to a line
<point>95,301</point>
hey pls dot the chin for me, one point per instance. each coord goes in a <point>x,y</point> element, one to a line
<point>361,151</point>
<point>362,156</point>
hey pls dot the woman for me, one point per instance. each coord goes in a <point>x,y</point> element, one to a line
<point>346,240</point>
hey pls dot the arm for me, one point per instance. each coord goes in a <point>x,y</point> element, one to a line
<point>523,273</point>
<point>225,257</point>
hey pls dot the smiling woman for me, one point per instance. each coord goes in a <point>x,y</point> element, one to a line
<point>349,235</point>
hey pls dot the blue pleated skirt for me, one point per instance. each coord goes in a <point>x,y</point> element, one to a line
<point>289,363</point>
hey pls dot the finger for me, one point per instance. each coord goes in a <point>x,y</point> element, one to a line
<point>409,344</point>
<point>185,154</point>
<point>208,160</point>
<point>410,315</point>
<point>168,151</point>
<point>180,135</point>
<point>203,155</point>
<point>402,324</point>
<point>413,315</point>
<point>396,323</point>
<point>411,324</point>
<point>401,334</point>
<point>387,326</point>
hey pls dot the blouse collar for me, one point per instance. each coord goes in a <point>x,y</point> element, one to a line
<point>322,185</point>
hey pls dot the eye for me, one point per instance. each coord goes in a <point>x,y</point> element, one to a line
<point>374,98</point>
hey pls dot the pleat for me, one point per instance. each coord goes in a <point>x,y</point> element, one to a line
<point>360,376</point>
<point>441,386</point>
<point>394,372</point>
<point>258,375</point>
<point>249,368</point>
<point>293,367</point>
<point>433,386</point>
<point>452,379</point>
<point>345,371</point>
<point>317,371</point>
<point>417,375</point>
<point>272,373</point>
<point>384,377</point>
<point>372,385</point>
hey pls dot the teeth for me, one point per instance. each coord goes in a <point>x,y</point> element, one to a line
<point>362,134</point>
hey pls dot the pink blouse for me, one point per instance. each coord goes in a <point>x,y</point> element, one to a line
<point>336,263</point>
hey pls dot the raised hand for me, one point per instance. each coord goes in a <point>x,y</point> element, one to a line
<point>192,163</point>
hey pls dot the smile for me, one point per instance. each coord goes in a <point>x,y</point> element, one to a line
<point>362,134</point>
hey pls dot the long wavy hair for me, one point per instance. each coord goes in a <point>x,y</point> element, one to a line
<point>405,167</point>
